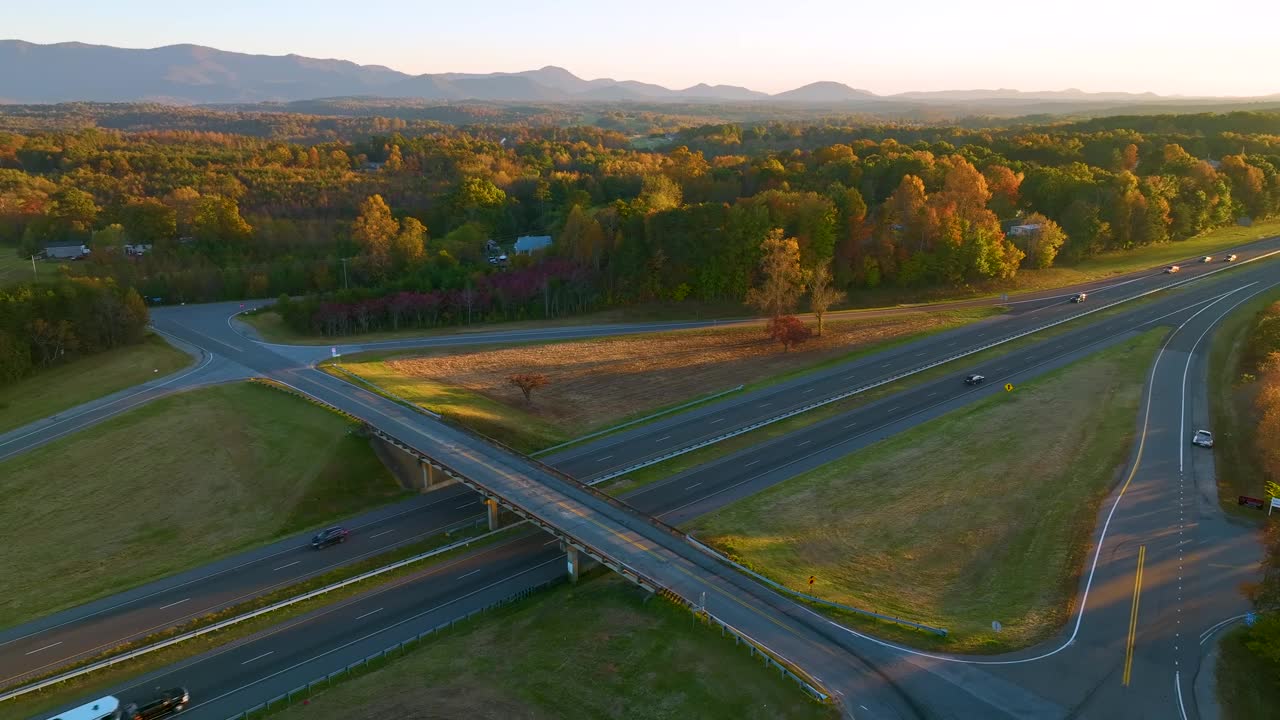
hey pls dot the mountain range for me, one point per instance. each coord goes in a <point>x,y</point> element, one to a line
<point>192,74</point>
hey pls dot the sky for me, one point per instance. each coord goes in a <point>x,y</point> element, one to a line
<point>1175,47</point>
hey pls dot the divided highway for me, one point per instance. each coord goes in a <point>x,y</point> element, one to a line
<point>704,488</point>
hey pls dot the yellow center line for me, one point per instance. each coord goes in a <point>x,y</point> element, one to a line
<point>1133,616</point>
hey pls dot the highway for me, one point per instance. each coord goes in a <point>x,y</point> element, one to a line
<point>929,398</point>
<point>81,632</point>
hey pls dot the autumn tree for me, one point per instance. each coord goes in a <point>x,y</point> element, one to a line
<point>788,330</point>
<point>1043,242</point>
<point>822,294</point>
<point>1004,185</point>
<point>782,279</point>
<point>408,247</point>
<point>374,229</point>
<point>528,382</point>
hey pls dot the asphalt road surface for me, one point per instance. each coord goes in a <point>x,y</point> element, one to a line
<point>912,409</point>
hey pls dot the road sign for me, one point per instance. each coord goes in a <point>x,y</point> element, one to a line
<point>995,625</point>
<point>1275,503</point>
<point>333,352</point>
<point>811,579</point>
<point>1008,387</point>
<point>1250,619</point>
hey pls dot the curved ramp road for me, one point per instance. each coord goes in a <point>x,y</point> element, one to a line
<point>218,337</point>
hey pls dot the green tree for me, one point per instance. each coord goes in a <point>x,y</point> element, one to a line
<point>822,295</point>
<point>373,230</point>
<point>408,248</point>
<point>150,222</point>
<point>219,228</point>
<point>1042,244</point>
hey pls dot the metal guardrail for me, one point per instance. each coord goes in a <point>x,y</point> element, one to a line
<point>894,378</point>
<point>783,588</point>
<point>629,423</point>
<point>102,664</point>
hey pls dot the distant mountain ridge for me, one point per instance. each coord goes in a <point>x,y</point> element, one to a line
<point>194,74</point>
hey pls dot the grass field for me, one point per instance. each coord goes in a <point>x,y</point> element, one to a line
<point>14,269</point>
<point>172,484</point>
<point>1231,400</point>
<point>593,650</point>
<point>65,386</point>
<point>981,515</point>
<point>1248,688</point>
<point>598,382</point>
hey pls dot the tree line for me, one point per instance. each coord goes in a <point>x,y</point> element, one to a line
<point>229,215</point>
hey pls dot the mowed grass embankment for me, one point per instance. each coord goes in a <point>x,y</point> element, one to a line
<point>65,386</point>
<point>982,515</point>
<point>173,484</point>
<point>1247,686</point>
<point>594,650</point>
<point>1233,390</point>
<point>15,269</point>
<point>596,383</point>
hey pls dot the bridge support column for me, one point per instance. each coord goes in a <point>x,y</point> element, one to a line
<point>493,507</point>
<point>571,563</point>
<point>432,477</point>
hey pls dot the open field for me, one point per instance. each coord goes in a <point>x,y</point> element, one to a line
<point>1231,400</point>
<point>598,382</point>
<point>14,269</point>
<point>981,515</point>
<point>66,386</point>
<point>173,484</point>
<point>1248,687</point>
<point>592,650</point>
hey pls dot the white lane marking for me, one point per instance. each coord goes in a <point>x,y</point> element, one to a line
<point>473,572</point>
<point>810,390</point>
<point>893,409</point>
<point>46,647</point>
<point>693,486</point>
<point>606,457</point>
<point>1205,635</point>
<point>371,612</point>
<point>1177,685</point>
<point>552,541</point>
<point>850,425</point>
<point>477,502</point>
<point>384,532</point>
<point>753,462</point>
<point>166,607</point>
<point>664,437</point>
<point>806,442</point>
<point>295,562</point>
<point>765,404</point>
<point>931,394</point>
<point>713,422</point>
<point>1102,536</point>
<point>886,365</point>
<point>372,634</point>
<point>269,652</point>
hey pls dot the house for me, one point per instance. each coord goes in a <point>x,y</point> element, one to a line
<point>137,249</point>
<point>1023,230</point>
<point>66,250</point>
<point>527,244</point>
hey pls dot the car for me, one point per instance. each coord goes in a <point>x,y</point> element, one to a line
<point>1206,259</point>
<point>329,536</point>
<point>1079,297</point>
<point>1171,269</point>
<point>1203,438</point>
<point>166,703</point>
<point>1230,258</point>
<point>973,379</point>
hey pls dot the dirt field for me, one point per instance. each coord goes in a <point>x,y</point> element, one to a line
<point>593,383</point>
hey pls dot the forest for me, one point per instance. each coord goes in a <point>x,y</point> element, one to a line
<point>387,223</point>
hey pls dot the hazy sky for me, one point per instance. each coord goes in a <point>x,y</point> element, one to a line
<point>1226,47</point>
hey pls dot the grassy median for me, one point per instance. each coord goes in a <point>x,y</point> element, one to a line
<point>597,649</point>
<point>982,515</point>
<point>65,386</point>
<point>171,485</point>
<point>598,382</point>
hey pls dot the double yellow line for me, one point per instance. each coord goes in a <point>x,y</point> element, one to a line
<point>1133,616</point>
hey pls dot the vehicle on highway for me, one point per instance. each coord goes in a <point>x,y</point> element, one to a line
<point>104,708</point>
<point>1079,297</point>
<point>1206,259</point>
<point>973,379</point>
<point>166,703</point>
<point>1203,438</point>
<point>1171,269</point>
<point>1230,258</point>
<point>329,536</point>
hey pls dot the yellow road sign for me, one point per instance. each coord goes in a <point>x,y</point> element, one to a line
<point>1008,387</point>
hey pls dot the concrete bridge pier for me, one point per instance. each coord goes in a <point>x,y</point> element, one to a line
<point>571,563</point>
<point>494,509</point>
<point>433,477</point>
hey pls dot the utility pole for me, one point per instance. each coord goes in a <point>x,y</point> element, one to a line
<point>345,284</point>
<point>34,277</point>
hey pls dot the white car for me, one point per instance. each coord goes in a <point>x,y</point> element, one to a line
<point>1206,259</point>
<point>1230,258</point>
<point>1203,438</point>
<point>1171,269</point>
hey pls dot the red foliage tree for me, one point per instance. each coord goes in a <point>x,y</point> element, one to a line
<point>788,330</point>
<point>528,382</point>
